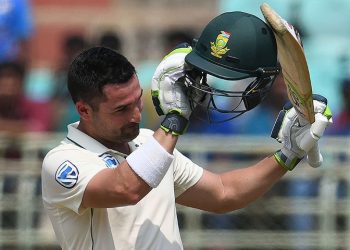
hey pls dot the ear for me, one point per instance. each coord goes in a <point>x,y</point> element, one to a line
<point>84,110</point>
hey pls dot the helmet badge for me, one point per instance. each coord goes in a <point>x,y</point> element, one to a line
<point>219,47</point>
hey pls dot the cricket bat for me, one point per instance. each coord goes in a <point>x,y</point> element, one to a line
<point>295,74</point>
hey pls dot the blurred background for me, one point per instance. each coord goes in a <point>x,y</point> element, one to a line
<point>308,209</point>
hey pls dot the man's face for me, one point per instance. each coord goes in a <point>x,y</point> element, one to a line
<point>118,116</point>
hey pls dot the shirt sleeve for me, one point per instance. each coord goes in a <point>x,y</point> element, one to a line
<point>186,173</point>
<point>65,175</point>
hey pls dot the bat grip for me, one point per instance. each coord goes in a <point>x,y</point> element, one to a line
<point>314,156</point>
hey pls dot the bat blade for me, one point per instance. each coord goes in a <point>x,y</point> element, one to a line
<point>293,63</point>
<point>295,73</point>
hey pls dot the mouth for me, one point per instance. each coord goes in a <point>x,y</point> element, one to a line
<point>132,129</point>
<point>134,126</point>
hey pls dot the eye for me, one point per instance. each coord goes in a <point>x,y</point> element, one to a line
<point>121,109</point>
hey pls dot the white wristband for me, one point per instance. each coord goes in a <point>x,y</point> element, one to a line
<point>150,161</point>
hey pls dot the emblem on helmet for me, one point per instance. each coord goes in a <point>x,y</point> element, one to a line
<point>219,47</point>
<point>239,48</point>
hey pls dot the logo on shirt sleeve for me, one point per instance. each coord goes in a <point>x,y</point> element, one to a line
<point>67,174</point>
<point>109,160</point>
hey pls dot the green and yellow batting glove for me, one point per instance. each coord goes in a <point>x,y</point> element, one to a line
<point>170,92</point>
<point>298,140</point>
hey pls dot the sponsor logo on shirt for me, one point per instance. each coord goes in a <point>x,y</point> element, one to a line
<point>67,174</point>
<point>109,160</point>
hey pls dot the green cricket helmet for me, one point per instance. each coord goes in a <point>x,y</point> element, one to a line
<point>238,47</point>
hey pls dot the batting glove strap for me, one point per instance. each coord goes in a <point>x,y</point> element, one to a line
<point>286,159</point>
<point>175,124</point>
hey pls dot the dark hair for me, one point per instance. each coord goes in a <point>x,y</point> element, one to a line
<point>95,68</point>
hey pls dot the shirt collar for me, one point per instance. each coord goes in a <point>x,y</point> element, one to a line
<point>85,141</point>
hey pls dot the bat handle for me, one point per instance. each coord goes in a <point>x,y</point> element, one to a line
<point>314,156</point>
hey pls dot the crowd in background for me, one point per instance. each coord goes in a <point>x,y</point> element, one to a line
<point>37,99</point>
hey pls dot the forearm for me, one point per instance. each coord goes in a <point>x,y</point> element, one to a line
<point>135,177</point>
<point>229,191</point>
<point>243,186</point>
<point>115,187</point>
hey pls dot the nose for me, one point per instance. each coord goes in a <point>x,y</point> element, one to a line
<point>136,115</point>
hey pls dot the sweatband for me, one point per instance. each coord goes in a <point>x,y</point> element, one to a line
<point>150,161</point>
<point>286,159</point>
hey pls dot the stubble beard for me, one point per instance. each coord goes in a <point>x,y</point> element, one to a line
<point>128,133</point>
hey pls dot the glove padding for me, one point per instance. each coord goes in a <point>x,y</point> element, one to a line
<point>170,93</point>
<point>298,139</point>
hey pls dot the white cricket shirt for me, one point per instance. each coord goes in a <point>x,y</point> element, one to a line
<point>150,224</point>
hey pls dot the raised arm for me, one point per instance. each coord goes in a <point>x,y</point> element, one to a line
<point>237,188</point>
<point>145,168</point>
<point>232,190</point>
<point>133,178</point>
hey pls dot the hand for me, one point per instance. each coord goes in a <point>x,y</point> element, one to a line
<point>170,94</point>
<point>298,140</point>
